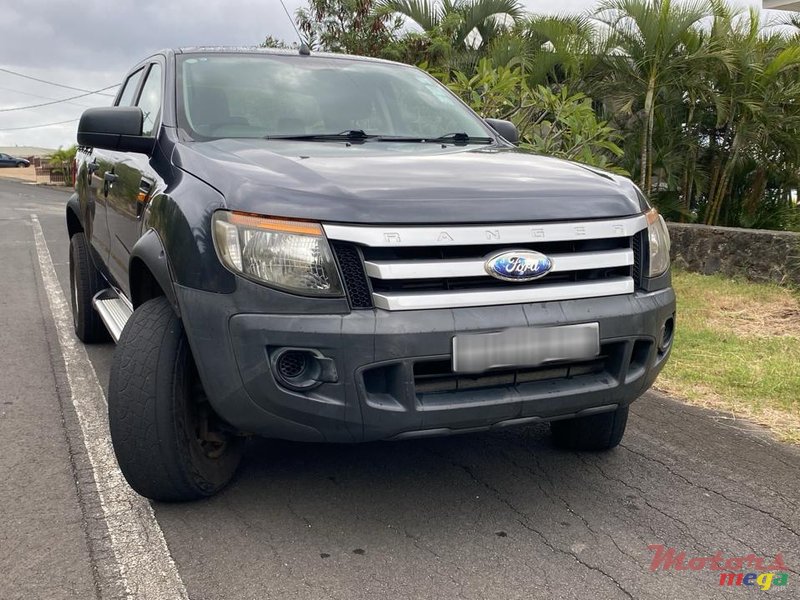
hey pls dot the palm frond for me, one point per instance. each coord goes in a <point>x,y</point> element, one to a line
<point>425,13</point>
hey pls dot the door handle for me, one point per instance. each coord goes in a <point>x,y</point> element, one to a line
<point>109,177</point>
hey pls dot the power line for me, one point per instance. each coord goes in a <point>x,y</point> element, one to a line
<point>57,101</point>
<point>37,126</point>
<point>69,87</point>
<point>13,91</point>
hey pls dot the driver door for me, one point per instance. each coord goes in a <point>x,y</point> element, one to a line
<point>133,181</point>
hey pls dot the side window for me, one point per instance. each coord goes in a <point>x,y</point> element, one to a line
<point>129,91</point>
<point>150,100</point>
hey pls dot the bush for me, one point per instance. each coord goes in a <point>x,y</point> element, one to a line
<point>555,123</point>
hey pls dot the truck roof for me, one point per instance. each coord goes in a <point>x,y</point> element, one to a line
<point>277,52</point>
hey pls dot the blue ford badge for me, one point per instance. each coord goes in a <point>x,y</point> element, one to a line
<point>518,265</point>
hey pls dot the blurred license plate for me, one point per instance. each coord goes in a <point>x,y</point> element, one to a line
<point>524,347</point>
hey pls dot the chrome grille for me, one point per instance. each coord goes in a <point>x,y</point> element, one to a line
<point>411,268</point>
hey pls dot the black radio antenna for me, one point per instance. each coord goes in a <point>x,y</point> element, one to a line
<point>304,49</point>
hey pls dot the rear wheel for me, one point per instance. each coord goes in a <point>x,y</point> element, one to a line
<point>169,443</point>
<point>84,282</point>
<point>595,432</point>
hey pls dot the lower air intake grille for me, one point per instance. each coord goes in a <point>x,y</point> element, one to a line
<point>436,377</point>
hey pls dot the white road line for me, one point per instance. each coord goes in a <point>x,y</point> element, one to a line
<point>140,550</point>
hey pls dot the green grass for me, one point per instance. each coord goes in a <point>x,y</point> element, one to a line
<point>737,348</point>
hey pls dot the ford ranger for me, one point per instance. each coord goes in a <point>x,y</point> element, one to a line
<point>330,248</point>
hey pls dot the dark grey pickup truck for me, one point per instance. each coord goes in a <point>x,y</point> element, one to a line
<point>328,248</point>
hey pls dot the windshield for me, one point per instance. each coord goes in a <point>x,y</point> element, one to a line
<point>262,95</point>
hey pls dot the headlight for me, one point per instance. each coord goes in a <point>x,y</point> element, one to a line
<point>290,255</point>
<point>659,243</point>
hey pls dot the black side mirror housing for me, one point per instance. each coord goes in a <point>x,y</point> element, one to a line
<point>506,129</point>
<point>114,128</point>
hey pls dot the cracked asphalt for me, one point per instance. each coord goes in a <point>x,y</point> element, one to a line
<point>486,516</point>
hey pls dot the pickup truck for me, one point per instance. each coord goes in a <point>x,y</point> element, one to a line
<point>328,248</point>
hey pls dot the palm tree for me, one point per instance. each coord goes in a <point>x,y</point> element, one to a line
<point>650,42</point>
<point>63,161</point>
<point>550,49</point>
<point>460,20</point>
<point>758,117</point>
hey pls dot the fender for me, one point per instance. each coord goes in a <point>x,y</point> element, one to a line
<point>149,250</point>
<point>74,220</point>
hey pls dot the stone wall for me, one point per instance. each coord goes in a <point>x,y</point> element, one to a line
<point>757,254</point>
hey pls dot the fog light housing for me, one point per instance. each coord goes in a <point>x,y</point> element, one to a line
<point>302,369</point>
<point>292,364</point>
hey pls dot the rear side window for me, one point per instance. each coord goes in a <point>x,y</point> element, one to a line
<point>150,100</point>
<point>129,91</point>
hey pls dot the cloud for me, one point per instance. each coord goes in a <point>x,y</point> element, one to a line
<point>91,44</point>
<point>115,35</point>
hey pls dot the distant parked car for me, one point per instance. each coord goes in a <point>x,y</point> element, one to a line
<point>7,160</point>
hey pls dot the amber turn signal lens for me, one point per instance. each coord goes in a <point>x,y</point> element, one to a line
<point>278,225</point>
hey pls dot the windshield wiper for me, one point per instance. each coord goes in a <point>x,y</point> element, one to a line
<point>349,135</point>
<point>448,138</point>
<point>359,135</point>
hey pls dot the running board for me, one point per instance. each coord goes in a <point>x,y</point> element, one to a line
<point>114,311</point>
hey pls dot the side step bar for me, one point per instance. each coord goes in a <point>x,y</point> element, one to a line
<point>114,311</point>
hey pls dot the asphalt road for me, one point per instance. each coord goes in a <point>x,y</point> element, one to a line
<point>494,515</point>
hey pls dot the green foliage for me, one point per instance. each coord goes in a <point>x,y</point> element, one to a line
<point>63,161</point>
<point>273,42</point>
<point>466,23</point>
<point>63,154</point>
<point>555,123</point>
<point>350,26</point>
<point>654,42</point>
<point>567,126</point>
<point>456,33</point>
<point>494,92</point>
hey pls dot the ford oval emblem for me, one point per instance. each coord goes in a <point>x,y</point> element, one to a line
<point>518,265</point>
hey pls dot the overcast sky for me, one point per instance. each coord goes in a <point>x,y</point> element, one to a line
<point>90,44</point>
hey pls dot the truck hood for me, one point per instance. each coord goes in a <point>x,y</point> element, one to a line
<point>397,183</point>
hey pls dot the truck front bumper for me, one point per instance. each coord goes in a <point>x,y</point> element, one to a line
<point>383,363</point>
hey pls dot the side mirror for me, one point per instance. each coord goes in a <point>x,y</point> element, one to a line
<point>506,129</point>
<point>114,128</point>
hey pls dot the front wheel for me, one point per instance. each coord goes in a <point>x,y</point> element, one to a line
<point>595,432</point>
<point>169,443</point>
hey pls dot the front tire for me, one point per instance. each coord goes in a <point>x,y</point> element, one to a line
<point>84,282</point>
<point>595,432</point>
<point>169,443</point>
